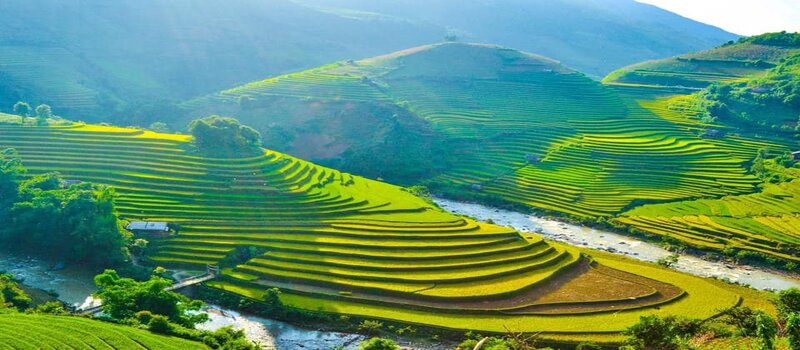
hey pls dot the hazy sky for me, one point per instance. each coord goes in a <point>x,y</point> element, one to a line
<point>746,17</point>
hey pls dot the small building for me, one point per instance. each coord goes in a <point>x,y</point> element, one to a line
<point>796,155</point>
<point>149,227</point>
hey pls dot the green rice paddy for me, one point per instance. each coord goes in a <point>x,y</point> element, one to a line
<point>345,244</point>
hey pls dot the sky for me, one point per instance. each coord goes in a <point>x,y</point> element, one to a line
<point>745,17</point>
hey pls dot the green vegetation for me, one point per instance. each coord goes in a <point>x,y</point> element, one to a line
<point>744,326</point>
<point>124,298</point>
<point>518,130</point>
<point>219,135</point>
<point>21,331</point>
<point>72,223</point>
<point>338,243</point>
<point>50,326</point>
<point>511,128</point>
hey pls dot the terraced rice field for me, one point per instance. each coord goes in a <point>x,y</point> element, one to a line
<point>765,222</point>
<point>527,130</point>
<point>48,70</point>
<point>697,70</point>
<point>346,244</point>
<point>29,332</point>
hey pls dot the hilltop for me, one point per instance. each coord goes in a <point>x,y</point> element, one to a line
<point>336,242</point>
<point>127,62</point>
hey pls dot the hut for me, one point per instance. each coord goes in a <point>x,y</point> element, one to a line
<point>149,227</point>
<point>796,155</point>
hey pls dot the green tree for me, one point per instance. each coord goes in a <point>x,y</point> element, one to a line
<point>76,224</point>
<point>43,112</point>
<point>11,170</point>
<point>22,109</point>
<point>378,344</point>
<point>123,298</point>
<point>224,136</point>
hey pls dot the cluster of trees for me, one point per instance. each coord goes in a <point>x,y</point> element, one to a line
<point>224,136</point>
<point>42,112</point>
<point>146,304</point>
<point>768,103</point>
<point>75,223</point>
<point>741,322</point>
<point>14,299</point>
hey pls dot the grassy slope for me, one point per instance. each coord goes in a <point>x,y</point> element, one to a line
<point>325,232</point>
<point>23,332</point>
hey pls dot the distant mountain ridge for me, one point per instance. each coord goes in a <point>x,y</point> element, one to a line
<point>127,62</point>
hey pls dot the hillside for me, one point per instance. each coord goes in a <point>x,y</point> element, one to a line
<point>338,242</point>
<point>729,63</point>
<point>506,125</point>
<point>21,331</point>
<point>743,89</point>
<point>127,61</point>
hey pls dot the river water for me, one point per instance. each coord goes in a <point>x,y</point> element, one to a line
<point>620,244</point>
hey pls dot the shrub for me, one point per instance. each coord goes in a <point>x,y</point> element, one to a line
<point>662,333</point>
<point>370,326</point>
<point>378,344</point>
<point>788,301</point>
<point>792,330</point>
<point>160,324</point>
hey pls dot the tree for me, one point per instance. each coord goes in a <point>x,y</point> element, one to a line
<point>123,298</point>
<point>43,112</point>
<point>378,344</point>
<point>11,170</point>
<point>77,223</point>
<point>22,109</point>
<point>224,136</point>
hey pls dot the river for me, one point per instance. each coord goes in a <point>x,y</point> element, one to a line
<point>620,244</point>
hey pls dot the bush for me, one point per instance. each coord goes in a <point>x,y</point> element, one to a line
<point>370,326</point>
<point>160,324</point>
<point>378,344</point>
<point>662,333</point>
<point>788,301</point>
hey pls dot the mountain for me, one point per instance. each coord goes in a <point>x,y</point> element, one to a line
<point>592,36</point>
<point>114,60</point>
<point>340,243</point>
<point>127,61</point>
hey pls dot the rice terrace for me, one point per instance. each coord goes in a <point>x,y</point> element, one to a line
<point>167,202</point>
